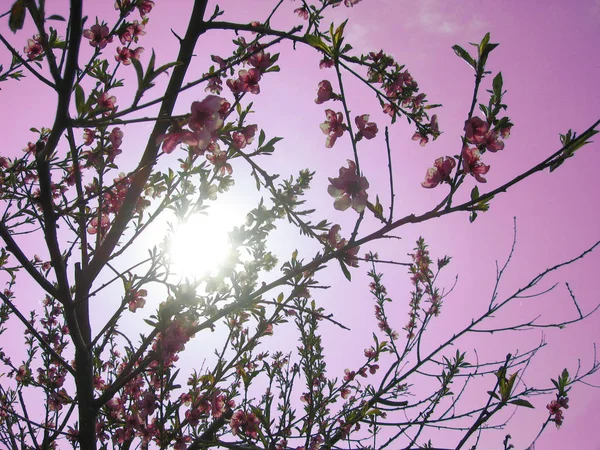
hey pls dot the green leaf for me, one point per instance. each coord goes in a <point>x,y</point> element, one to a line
<point>139,71</point>
<point>17,16</point>
<point>475,193</point>
<point>462,53</point>
<point>345,270</point>
<point>497,86</point>
<point>317,42</point>
<point>56,17</point>
<point>484,43</point>
<point>472,216</point>
<point>521,402</point>
<point>164,68</point>
<point>79,100</point>
<point>494,395</point>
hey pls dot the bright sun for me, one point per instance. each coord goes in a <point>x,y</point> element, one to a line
<point>200,245</point>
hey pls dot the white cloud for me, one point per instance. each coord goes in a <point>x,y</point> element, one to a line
<point>441,17</point>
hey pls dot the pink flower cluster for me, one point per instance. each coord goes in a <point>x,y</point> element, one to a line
<point>112,200</point>
<point>334,126</point>
<point>478,132</point>
<point>422,136</point>
<point>422,276</point>
<point>125,6</point>
<point>244,422</point>
<point>173,339</point>
<point>138,299</point>
<point>336,242</point>
<point>205,121</point>
<point>247,80</point>
<point>555,408</point>
<point>131,32</point>
<point>125,55</point>
<point>349,189</point>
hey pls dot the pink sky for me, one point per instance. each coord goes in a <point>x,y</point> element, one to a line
<point>550,63</point>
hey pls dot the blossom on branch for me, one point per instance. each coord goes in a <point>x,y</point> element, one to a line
<point>439,173</point>
<point>324,92</point>
<point>34,47</point>
<point>472,163</point>
<point>333,127</point>
<point>366,129</point>
<point>349,189</point>
<point>99,36</point>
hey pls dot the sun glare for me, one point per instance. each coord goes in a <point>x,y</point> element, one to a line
<point>200,245</point>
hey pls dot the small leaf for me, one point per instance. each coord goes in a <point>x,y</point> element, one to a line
<point>494,395</point>
<point>17,16</point>
<point>484,43</point>
<point>79,100</point>
<point>462,53</point>
<point>473,216</point>
<point>345,270</point>
<point>139,71</point>
<point>56,17</point>
<point>475,193</point>
<point>521,402</point>
<point>497,85</point>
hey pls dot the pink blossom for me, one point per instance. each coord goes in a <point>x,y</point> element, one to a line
<point>101,225</point>
<point>206,119</point>
<point>366,129</point>
<point>215,84</point>
<point>370,352</point>
<point>349,375</point>
<point>34,47</point>
<point>344,393</point>
<point>476,130</point>
<point>333,127</point>
<point>434,125</point>
<point>219,159</point>
<point>349,189</point>
<point>116,137</point>
<point>220,61</point>
<point>417,101</point>
<point>145,7</point>
<point>302,13</point>
<point>106,101</point>
<point>261,60</point>
<point>174,138</point>
<point>247,423</point>
<point>492,142</point>
<point>439,173</point>
<point>421,137</point>
<point>88,136</point>
<point>125,55</point>
<point>124,6</point>
<point>173,339</point>
<point>98,36</point>
<point>336,242</point>
<point>249,80</point>
<point>244,137</point>
<point>324,92</point>
<point>131,32</point>
<point>472,163</point>
<point>326,63</point>
<point>138,300</point>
